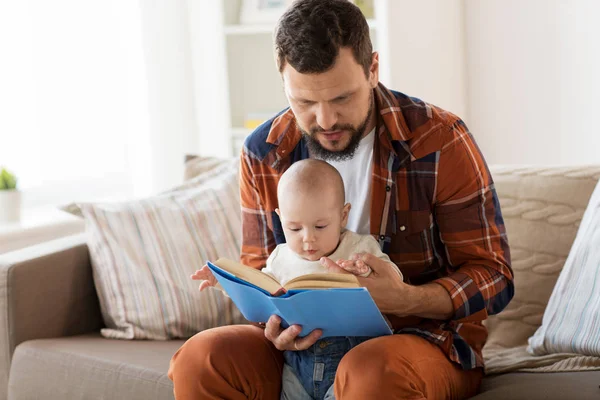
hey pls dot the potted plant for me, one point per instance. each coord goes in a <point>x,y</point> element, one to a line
<point>10,197</point>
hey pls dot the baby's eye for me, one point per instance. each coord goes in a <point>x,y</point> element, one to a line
<point>321,226</point>
<point>294,229</point>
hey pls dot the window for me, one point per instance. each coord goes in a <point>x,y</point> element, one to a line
<point>73,99</point>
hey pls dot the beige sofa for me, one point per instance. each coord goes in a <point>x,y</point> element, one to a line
<point>51,347</point>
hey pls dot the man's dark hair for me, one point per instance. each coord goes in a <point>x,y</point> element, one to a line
<point>310,33</point>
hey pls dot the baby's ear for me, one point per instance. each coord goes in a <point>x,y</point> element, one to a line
<point>345,214</point>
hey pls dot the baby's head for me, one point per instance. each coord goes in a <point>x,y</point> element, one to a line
<point>312,208</point>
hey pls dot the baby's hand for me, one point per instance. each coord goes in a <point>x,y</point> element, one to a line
<point>205,275</point>
<point>355,266</point>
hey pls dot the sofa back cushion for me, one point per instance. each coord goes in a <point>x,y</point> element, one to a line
<point>542,210</point>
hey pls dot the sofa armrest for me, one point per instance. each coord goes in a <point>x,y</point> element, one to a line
<point>46,291</point>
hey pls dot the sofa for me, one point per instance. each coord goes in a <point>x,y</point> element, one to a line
<point>51,345</point>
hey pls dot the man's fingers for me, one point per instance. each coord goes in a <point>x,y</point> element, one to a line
<point>354,267</point>
<point>376,263</point>
<point>331,266</point>
<point>308,340</point>
<point>287,338</point>
<point>273,328</point>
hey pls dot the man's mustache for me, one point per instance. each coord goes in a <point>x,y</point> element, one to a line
<point>333,129</point>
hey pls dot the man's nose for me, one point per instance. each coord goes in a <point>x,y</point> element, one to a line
<point>326,116</point>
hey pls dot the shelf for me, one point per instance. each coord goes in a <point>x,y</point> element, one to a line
<point>259,29</point>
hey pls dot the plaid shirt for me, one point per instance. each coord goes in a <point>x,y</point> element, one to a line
<point>434,211</point>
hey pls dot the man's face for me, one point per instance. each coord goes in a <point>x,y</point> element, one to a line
<point>333,109</point>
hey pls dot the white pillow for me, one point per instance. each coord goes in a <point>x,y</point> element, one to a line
<point>143,253</point>
<point>571,322</point>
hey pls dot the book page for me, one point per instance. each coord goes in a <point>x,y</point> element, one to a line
<point>249,274</point>
<point>323,281</point>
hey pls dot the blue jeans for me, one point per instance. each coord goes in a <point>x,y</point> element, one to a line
<point>316,366</point>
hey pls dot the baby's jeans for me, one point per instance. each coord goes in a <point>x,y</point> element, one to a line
<point>316,366</point>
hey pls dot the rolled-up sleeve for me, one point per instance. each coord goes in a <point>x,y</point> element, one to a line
<point>257,238</point>
<point>472,229</point>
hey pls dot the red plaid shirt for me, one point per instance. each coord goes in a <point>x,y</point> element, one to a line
<point>434,211</point>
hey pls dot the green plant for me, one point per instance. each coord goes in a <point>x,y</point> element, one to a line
<point>7,180</point>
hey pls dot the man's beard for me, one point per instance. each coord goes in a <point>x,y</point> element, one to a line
<point>318,151</point>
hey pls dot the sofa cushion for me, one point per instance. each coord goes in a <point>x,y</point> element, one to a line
<point>572,319</point>
<point>91,367</point>
<point>554,386</point>
<point>144,251</point>
<point>542,209</point>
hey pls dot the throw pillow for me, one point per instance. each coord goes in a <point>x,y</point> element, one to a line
<point>144,251</point>
<point>571,322</point>
<point>199,166</point>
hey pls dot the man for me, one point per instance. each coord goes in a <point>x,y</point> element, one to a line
<point>416,180</point>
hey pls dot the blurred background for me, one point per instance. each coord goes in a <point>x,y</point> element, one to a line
<point>101,100</point>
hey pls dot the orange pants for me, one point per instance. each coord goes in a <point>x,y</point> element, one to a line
<point>238,362</point>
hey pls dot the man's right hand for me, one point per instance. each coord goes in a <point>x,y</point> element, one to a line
<point>205,275</point>
<point>287,339</point>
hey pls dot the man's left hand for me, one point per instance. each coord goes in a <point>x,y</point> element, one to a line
<point>385,285</point>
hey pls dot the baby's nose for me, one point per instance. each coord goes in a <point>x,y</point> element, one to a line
<point>309,237</point>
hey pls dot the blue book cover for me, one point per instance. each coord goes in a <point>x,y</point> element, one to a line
<point>338,312</point>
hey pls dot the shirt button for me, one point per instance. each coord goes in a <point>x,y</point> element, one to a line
<point>381,237</point>
<point>402,228</point>
<point>388,188</point>
<point>323,345</point>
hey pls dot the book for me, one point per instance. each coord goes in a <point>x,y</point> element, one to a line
<point>334,303</point>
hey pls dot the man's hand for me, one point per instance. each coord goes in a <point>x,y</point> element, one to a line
<point>205,275</point>
<point>385,285</point>
<point>287,339</point>
<point>389,291</point>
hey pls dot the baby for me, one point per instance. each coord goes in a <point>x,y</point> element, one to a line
<point>313,215</point>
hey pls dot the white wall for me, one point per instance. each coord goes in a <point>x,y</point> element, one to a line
<point>424,50</point>
<point>173,125</point>
<point>208,53</point>
<point>533,84</point>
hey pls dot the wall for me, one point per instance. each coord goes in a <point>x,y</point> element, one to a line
<point>533,84</point>
<point>173,124</point>
<point>423,52</point>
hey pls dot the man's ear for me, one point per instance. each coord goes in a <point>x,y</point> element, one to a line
<point>374,70</point>
<point>277,212</point>
<point>345,214</point>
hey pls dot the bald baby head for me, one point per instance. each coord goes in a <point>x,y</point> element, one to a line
<point>311,176</point>
<point>311,208</point>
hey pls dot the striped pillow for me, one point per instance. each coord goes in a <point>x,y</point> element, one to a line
<point>571,322</point>
<point>144,251</point>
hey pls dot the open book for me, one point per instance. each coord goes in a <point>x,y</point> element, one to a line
<point>332,302</point>
<point>272,287</point>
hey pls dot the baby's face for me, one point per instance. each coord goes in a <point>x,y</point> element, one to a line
<point>312,223</point>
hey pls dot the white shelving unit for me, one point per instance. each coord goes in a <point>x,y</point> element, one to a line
<point>249,76</point>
